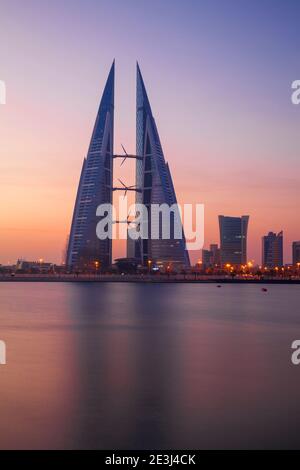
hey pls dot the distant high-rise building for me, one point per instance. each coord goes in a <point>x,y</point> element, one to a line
<point>85,249</point>
<point>272,250</point>
<point>233,239</point>
<point>211,257</point>
<point>206,258</point>
<point>296,253</point>
<point>216,255</point>
<point>154,184</point>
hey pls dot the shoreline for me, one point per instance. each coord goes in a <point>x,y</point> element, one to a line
<point>144,280</point>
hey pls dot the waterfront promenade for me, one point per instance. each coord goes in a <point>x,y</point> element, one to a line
<point>147,278</point>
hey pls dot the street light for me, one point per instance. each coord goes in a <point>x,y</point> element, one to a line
<point>97,264</point>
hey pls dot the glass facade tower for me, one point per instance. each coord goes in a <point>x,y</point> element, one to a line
<point>85,250</point>
<point>272,250</point>
<point>233,239</point>
<point>296,253</point>
<point>153,179</point>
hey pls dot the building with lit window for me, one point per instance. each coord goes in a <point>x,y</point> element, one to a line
<point>233,239</point>
<point>211,257</point>
<point>272,250</point>
<point>296,253</point>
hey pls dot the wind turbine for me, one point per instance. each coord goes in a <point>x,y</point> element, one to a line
<point>126,155</point>
<point>127,188</point>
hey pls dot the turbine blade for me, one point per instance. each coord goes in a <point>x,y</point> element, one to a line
<point>124,149</point>
<point>122,183</point>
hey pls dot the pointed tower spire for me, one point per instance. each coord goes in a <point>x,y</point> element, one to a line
<point>142,97</point>
<point>106,104</point>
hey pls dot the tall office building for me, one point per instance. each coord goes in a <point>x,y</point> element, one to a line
<point>296,253</point>
<point>233,239</point>
<point>272,250</point>
<point>154,182</point>
<point>85,250</point>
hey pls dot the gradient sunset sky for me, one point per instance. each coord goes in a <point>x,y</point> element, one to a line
<point>218,75</point>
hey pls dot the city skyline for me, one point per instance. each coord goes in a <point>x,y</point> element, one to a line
<point>245,164</point>
<point>149,229</point>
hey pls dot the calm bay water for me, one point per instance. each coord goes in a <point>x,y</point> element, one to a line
<point>131,366</point>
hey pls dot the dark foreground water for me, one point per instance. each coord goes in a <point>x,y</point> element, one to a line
<point>131,366</point>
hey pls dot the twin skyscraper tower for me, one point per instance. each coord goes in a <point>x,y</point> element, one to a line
<point>153,186</point>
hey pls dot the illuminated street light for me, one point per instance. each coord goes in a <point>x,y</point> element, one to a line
<point>97,265</point>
